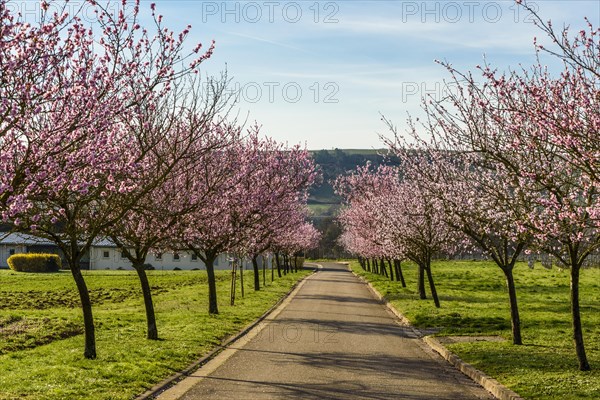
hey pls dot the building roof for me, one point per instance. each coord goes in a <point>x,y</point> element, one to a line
<point>103,242</point>
<point>23,239</point>
<point>26,239</point>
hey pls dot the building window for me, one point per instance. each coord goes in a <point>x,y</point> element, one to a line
<point>158,256</point>
<point>176,257</point>
<point>106,254</point>
<point>194,257</point>
<point>123,255</point>
<point>11,251</point>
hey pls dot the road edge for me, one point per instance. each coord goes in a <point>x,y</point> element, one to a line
<point>490,384</point>
<point>174,379</point>
<point>498,390</point>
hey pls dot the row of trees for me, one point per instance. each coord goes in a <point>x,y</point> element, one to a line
<point>509,164</point>
<point>109,130</point>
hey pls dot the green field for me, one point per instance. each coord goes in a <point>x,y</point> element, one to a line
<point>474,301</point>
<point>317,210</point>
<point>41,341</point>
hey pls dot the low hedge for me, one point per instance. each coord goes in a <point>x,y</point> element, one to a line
<point>34,262</point>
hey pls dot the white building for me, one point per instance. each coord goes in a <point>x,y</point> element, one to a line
<point>104,254</point>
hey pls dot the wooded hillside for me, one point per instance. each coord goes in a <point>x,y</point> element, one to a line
<point>324,203</point>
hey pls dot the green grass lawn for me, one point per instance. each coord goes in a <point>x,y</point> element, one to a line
<point>322,209</point>
<point>474,301</point>
<point>41,341</point>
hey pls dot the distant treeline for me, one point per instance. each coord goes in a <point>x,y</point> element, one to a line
<point>336,162</point>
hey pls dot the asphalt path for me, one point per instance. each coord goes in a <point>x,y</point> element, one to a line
<point>331,340</point>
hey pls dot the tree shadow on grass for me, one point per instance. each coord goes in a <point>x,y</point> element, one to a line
<point>401,296</point>
<point>536,358</point>
<point>457,322</point>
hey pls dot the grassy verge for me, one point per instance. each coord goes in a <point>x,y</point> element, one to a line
<point>41,345</point>
<point>474,301</point>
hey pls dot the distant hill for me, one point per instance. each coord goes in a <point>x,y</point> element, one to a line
<point>323,202</point>
<point>336,162</point>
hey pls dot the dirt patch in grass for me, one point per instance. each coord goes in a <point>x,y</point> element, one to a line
<point>41,300</point>
<point>19,333</point>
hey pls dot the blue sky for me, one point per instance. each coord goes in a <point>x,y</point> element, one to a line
<point>323,72</point>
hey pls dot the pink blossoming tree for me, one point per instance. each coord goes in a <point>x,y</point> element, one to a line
<point>540,133</point>
<point>67,156</point>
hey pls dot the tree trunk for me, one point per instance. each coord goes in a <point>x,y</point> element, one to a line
<point>422,294</point>
<point>436,301</point>
<point>86,307</point>
<point>233,283</point>
<point>391,269</point>
<point>152,333</point>
<point>398,266</point>
<point>368,265</point>
<point>212,285</point>
<point>576,316</point>
<point>256,273</point>
<point>264,270</point>
<point>278,265</point>
<point>383,268</point>
<point>514,309</point>
<point>242,278</point>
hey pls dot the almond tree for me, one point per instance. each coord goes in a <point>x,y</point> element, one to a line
<point>560,125</point>
<point>357,219</point>
<point>276,196</point>
<point>478,198</point>
<point>307,237</point>
<point>282,226</point>
<point>542,131</point>
<point>176,131</point>
<point>361,220</point>
<point>71,158</point>
<point>256,178</point>
<point>404,219</point>
<point>360,234</point>
<point>424,233</point>
<point>294,238</point>
<point>564,219</point>
<point>146,226</point>
<point>32,60</point>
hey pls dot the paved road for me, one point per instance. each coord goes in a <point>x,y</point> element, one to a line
<point>333,340</point>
